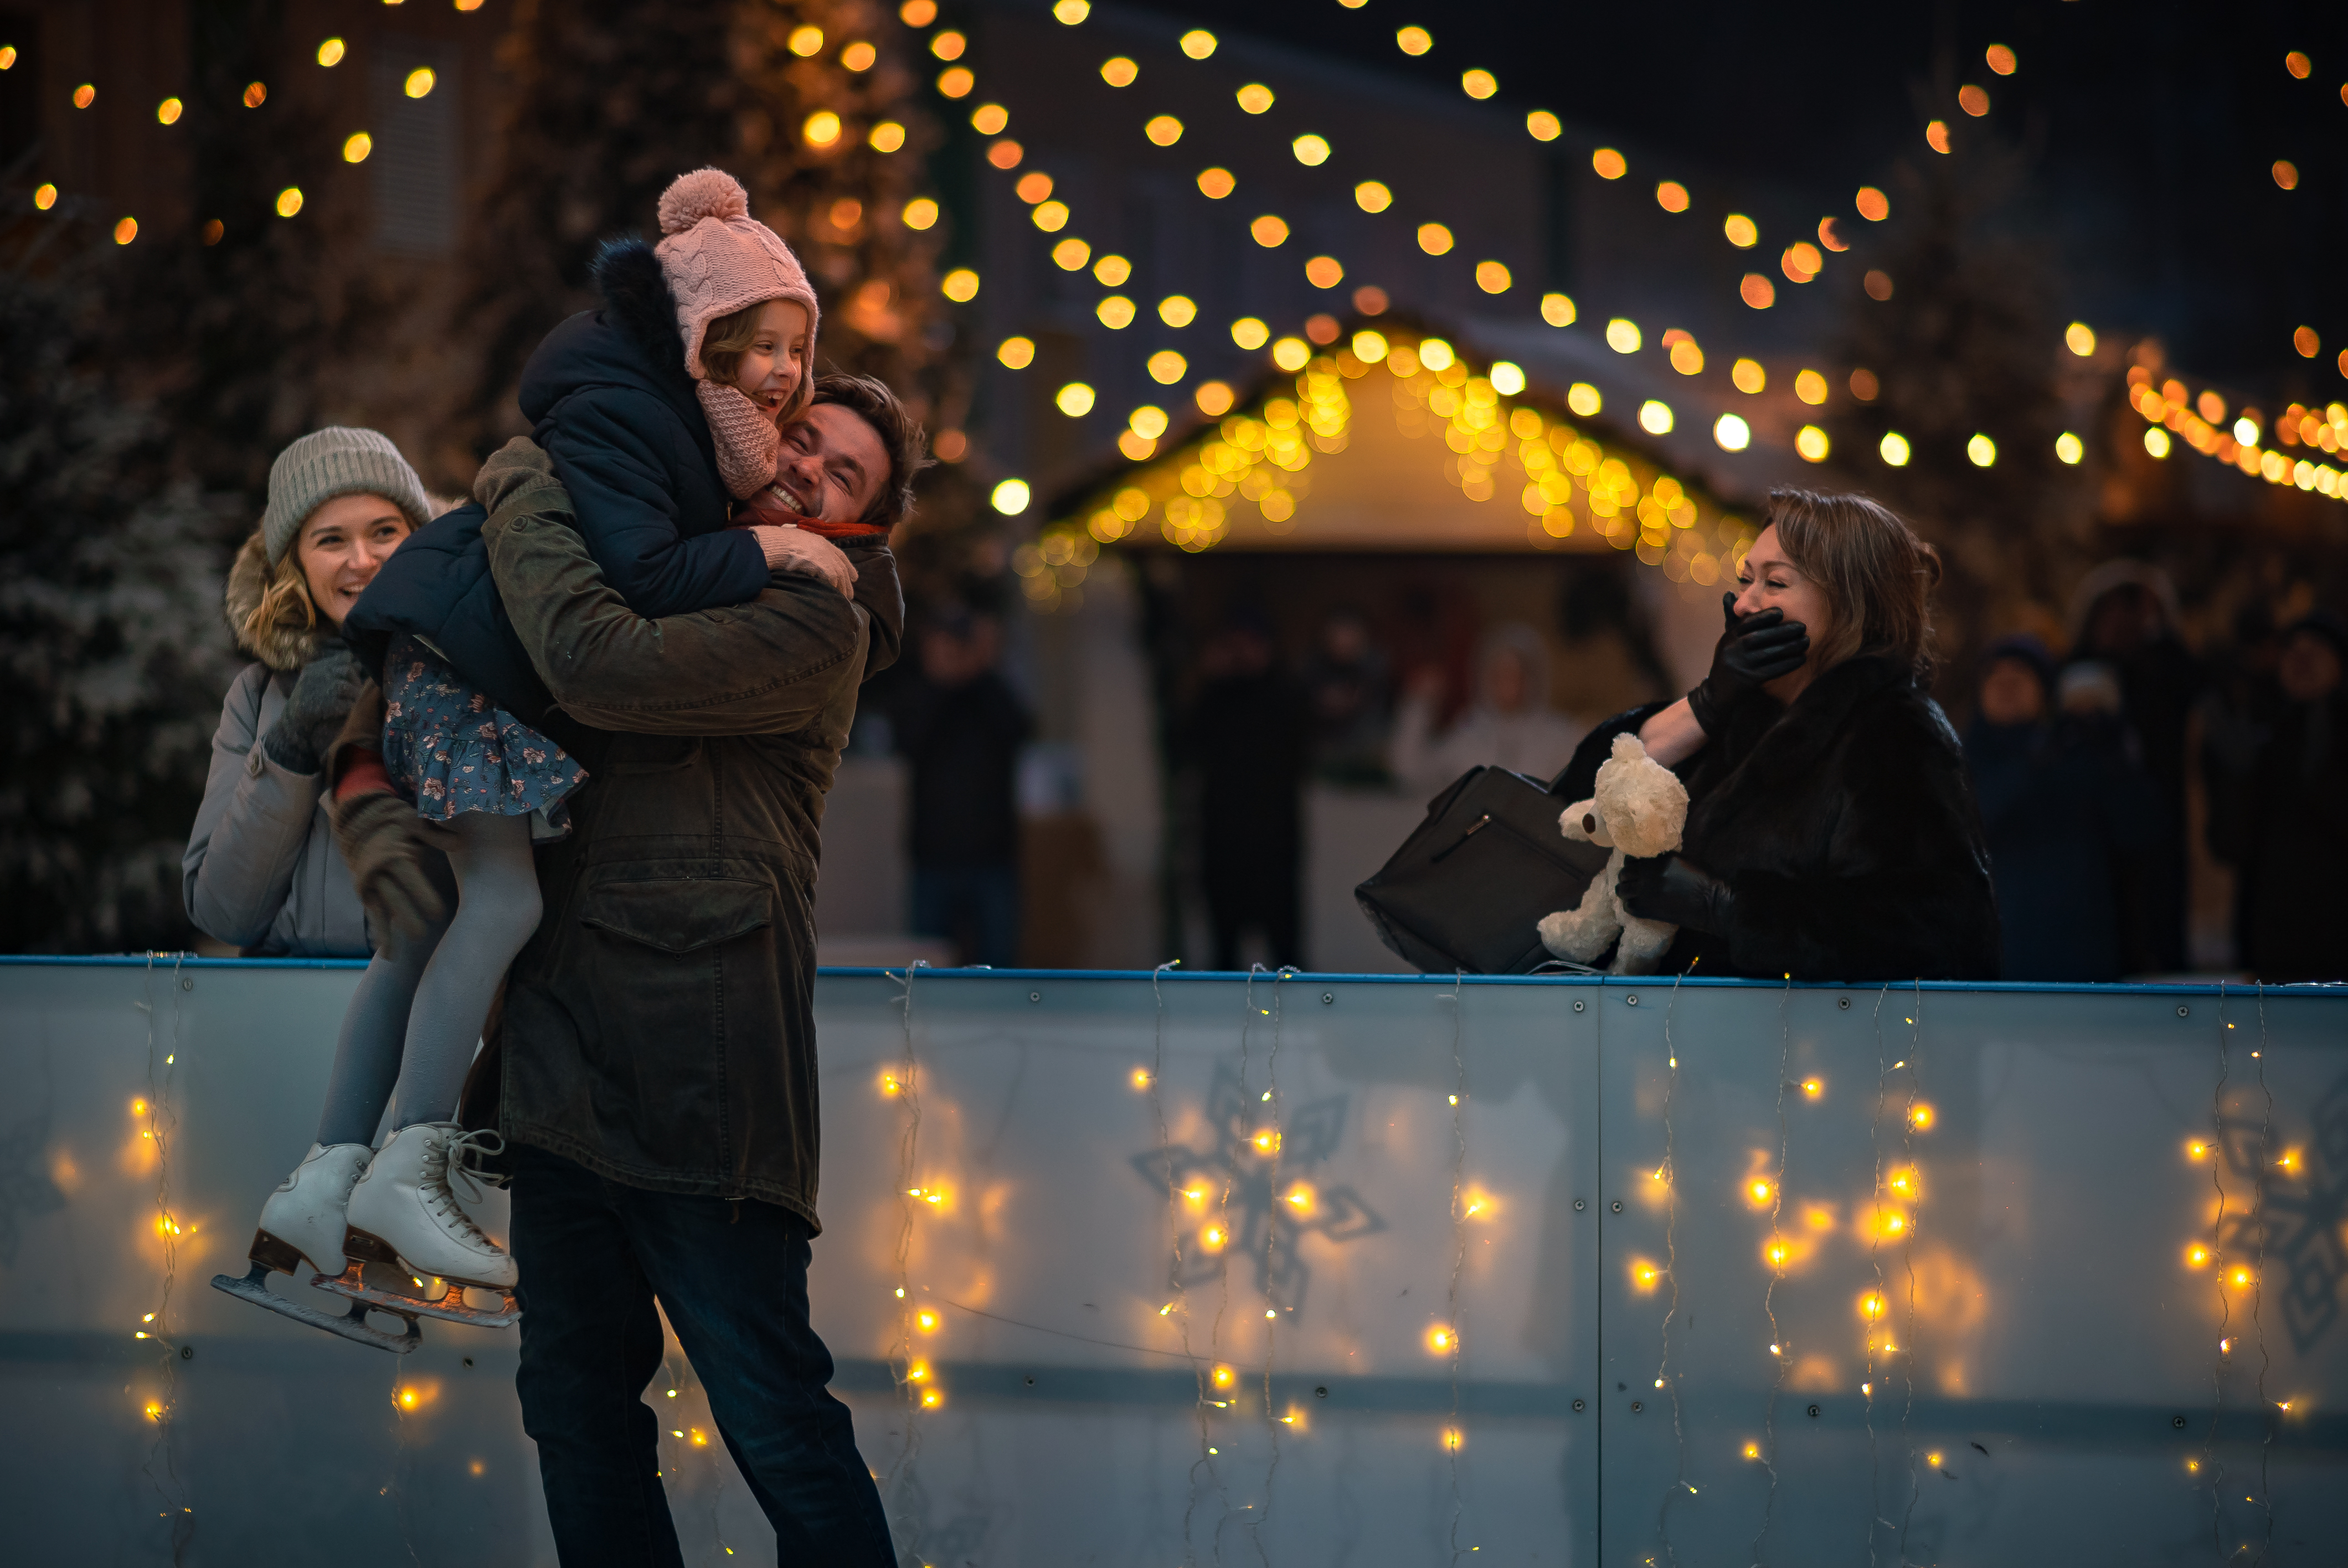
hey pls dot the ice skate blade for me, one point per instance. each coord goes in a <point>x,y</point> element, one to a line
<point>255,1287</point>
<point>449,1306</point>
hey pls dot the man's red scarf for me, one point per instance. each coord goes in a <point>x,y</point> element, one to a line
<point>767,506</point>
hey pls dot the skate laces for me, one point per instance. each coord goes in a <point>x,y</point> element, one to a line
<point>454,1159</point>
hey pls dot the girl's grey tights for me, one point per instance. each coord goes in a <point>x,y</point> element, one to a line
<point>408,1036</point>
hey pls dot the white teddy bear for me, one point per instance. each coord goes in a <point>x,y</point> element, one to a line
<point>1640,808</point>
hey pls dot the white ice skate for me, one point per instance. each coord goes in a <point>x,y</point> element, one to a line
<point>301,1234</point>
<point>403,1214</point>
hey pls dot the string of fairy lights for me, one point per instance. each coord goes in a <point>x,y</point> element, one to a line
<point>1801,262</point>
<point>917,1384</point>
<point>1889,1218</point>
<point>289,201</point>
<point>155,1111</point>
<point>1263,459</point>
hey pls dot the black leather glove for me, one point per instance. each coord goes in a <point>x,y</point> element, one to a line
<point>1751,653</point>
<point>313,714</point>
<point>1674,889</point>
<point>384,844</point>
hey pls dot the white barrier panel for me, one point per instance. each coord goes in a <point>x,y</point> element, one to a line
<point>1313,1269</point>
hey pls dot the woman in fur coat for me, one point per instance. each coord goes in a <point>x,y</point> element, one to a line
<point>1831,831</point>
<point>262,872</point>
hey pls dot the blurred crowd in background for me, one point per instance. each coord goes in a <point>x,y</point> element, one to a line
<point>2151,810</point>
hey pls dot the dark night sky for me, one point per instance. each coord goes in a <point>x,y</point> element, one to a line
<point>2145,128</point>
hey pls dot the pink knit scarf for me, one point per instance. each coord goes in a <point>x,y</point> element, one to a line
<point>749,445</point>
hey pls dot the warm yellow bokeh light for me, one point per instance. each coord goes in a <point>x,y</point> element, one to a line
<point>1609,164</point>
<point>1074,400</point>
<point>1434,239</point>
<point>1214,184</point>
<point>1543,126</point>
<point>1119,72</point>
<point>1269,230</point>
<point>1558,310</point>
<point>1310,150</point>
<point>1895,449</point>
<point>1741,230</point>
<point>1414,40</point>
<point>1111,271</point>
<point>1372,197</point>
<point>1164,129</point>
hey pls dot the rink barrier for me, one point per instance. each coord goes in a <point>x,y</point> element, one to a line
<point>2062,1342</point>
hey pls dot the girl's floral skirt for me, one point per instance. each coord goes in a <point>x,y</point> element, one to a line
<point>452,750</point>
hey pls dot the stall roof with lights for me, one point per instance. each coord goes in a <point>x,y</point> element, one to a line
<point>1392,441</point>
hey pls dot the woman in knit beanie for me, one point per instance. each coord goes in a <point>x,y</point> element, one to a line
<point>260,871</point>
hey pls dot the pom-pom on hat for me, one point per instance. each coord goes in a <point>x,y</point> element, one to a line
<point>719,259</point>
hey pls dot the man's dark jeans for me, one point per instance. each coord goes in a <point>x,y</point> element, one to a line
<point>594,1255</point>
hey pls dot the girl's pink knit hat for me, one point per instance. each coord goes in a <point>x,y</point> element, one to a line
<point>719,259</point>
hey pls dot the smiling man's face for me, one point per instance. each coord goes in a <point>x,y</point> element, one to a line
<point>833,464</point>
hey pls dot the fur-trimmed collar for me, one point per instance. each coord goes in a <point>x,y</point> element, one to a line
<point>637,300</point>
<point>280,647</point>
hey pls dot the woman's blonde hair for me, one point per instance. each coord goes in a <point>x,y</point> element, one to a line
<point>726,340</point>
<point>284,605</point>
<point>1877,574</point>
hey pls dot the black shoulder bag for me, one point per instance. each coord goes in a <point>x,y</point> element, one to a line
<point>1468,886</point>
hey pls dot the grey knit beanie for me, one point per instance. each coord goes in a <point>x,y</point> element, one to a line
<point>335,461</point>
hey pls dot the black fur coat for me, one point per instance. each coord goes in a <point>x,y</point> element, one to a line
<point>1845,826</point>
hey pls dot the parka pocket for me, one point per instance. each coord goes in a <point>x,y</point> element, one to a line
<point>679,917</point>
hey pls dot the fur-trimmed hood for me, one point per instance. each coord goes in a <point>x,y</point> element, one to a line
<point>631,343</point>
<point>281,647</point>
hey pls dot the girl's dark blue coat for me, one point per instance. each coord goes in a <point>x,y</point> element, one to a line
<point>610,401</point>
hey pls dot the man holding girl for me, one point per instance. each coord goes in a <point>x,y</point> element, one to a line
<point>641,647</point>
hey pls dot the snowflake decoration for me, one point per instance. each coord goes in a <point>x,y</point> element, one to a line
<point>1253,1169</point>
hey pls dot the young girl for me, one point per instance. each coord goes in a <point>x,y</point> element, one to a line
<point>658,412</point>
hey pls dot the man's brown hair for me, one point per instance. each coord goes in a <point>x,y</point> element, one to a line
<point>900,434</point>
<point>1877,574</point>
